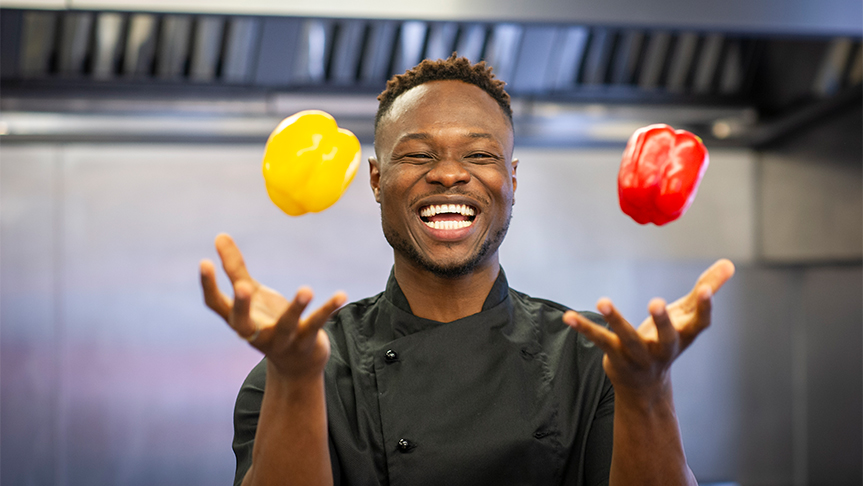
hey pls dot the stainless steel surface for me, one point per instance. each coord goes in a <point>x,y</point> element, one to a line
<point>173,46</point>
<point>75,43</point>
<point>109,30</point>
<point>830,17</point>
<point>114,372</point>
<point>206,48</point>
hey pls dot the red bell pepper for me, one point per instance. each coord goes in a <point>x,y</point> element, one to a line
<point>660,173</point>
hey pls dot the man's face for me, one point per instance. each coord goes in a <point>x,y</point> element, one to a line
<point>444,177</point>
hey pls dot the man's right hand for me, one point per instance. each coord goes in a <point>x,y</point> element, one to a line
<point>296,347</point>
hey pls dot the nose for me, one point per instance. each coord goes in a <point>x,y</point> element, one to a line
<point>448,172</point>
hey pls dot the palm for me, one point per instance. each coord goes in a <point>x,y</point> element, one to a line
<point>266,306</point>
<point>270,322</point>
<point>641,357</point>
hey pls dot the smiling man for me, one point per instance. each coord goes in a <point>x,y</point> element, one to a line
<point>449,376</point>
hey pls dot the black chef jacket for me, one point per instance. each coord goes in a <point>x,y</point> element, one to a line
<point>508,396</point>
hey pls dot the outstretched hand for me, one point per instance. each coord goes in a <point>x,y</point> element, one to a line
<point>638,360</point>
<point>272,324</point>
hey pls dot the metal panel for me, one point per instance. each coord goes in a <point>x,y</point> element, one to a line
<point>109,30</point>
<point>441,42</point>
<point>347,49</point>
<point>310,65</point>
<point>409,49</point>
<point>503,49</point>
<point>733,68</point>
<point>833,378</point>
<point>626,56</point>
<point>10,42</point>
<point>75,42</point>
<point>565,69</point>
<point>30,334</point>
<point>140,45</point>
<point>206,48</point>
<point>598,56</point>
<point>708,60</point>
<point>829,77</point>
<point>279,38</point>
<point>471,41</point>
<point>38,43</point>
<point>174,46</point>
<point>681,62</point>
<point>654,60</point>
<point>239,49</point>
<point>374,67</point>
<point>532,73</point>
<point>855,70</point>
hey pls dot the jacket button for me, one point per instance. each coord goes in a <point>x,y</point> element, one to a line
<point>405,445</point>
<point>391,356</point>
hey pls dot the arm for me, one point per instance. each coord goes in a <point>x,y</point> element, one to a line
<point>647,444</point>
<point>291,437</point>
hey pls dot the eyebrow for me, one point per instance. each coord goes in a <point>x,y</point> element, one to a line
<point>415,136</point>
<point>426,136</point>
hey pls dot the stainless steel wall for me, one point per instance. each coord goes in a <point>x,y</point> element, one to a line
<point>113,371</point>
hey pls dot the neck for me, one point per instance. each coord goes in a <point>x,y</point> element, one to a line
<point>445,299</point>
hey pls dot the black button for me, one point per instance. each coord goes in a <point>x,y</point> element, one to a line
<point>405,445</point>
<point>391,356</point>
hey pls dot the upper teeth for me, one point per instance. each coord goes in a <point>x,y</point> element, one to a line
<point>434,209</point>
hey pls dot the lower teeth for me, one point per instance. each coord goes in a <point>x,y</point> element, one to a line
<point>447,225</point>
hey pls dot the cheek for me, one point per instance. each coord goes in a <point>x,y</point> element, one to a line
<point>499,184</point>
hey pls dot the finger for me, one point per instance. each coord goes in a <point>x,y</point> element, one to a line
<point>665,330</point>
<point>213,297</point>
<point>602,337</point>
<point>318,318</point>
<point>240,318</point>
<point>704,306</point>
<point>629,337</point>
<point>716,275</point>
<point>289,320</point>
<point>232,259</point>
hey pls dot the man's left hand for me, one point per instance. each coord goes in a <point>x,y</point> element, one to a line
<point>637,360</point>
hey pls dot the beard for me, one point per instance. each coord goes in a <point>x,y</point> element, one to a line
<point>452,270</point>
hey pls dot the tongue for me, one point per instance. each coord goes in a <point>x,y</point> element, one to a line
<point>447,217</point>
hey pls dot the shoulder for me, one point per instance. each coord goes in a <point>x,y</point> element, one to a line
<point>351,326</point>
<point>547,311</point>
<point>564,349</point>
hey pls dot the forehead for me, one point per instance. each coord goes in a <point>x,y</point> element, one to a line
<point>443,103</point>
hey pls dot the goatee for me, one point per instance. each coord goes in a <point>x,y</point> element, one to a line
<point>454,270</point>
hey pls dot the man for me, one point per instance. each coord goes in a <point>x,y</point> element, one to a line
<point>449,376</point>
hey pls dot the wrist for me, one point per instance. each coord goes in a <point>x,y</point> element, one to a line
<point>293,384</point>
<point>646,398</point>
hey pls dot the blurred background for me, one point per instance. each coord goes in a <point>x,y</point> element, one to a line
<point>131,133</point>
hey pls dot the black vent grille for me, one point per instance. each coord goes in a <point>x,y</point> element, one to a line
<point>539,60</point>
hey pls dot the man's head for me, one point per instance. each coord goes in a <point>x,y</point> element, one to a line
<point>444,173</point>
<point>454,68</point>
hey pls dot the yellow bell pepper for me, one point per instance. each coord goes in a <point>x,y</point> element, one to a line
<point>309,162</point>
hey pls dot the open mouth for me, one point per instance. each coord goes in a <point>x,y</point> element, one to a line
<point>447,216</point>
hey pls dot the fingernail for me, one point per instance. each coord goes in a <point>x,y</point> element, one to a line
<point>605,309</point>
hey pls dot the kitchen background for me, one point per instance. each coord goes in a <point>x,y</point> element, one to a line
<point>131,133</point>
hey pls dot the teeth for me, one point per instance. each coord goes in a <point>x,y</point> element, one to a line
<point>462,209</point>
<point>448,225</point>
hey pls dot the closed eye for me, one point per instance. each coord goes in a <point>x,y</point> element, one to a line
<point>482,157</point>
<point>414,158</point>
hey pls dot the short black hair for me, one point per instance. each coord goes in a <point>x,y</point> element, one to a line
<point>453,68</point>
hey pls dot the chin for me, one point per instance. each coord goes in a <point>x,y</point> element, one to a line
<point>449,269</point>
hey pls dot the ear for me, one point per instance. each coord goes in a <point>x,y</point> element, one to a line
<point>514,180</point>
<point>375,177</point>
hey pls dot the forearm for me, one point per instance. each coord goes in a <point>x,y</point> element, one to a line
<point>291,438</point>
<point>648,449</point>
